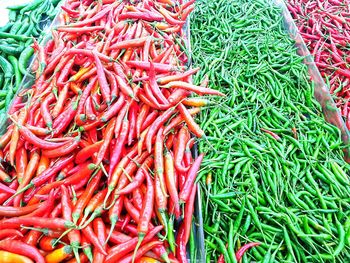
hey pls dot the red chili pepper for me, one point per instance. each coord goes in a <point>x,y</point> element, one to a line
<point>52,223</point>
<point>104,87</point>
<point>191,176</point>
<point>80,30</point>
<point>124,87</point>
<point>22,248</point>
<point>141,251</point>
<point>85,197</point>
<point>15,135</point>
<point>107,140</point>
<point>190,87</point>
<point>156,125</point>
<point>42,144</point>
<point>88,152</point>
<point>21,163</point>
<point>100,229</point>
<point>171,183</point>
<point>158,67</point>
<point>119,237</point>
<point>44,207</point>
<point>183,138</point>
<point>114,214</point>
<point>189,209</point>
<point>144,110</point>
<point>63,150</point>
<point>114,109</point>
<point>85,94</point>
<point>141,15</point>
<point>10,233</point>
<point>139,177</point>
<point>243,249</point>
<point>74,235</point>
<point>154,85</point>
<point>145,214</point>
<point>94,203</point>
<point>132,116</point>
<point>180,245</point>
<point>91,236</point>
<point>117,252</point>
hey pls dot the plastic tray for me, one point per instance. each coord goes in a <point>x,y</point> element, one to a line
<point>321,92</point>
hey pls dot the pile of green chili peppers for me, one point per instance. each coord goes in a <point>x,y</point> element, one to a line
<point>274,171</point>
<point>26,22</point>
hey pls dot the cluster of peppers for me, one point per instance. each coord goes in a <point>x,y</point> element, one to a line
<point>325,28</point>
<point>16,37</point>
<point>96,160</point>
<point>274,172</point>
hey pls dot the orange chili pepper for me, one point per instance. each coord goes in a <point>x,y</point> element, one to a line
<point>8,257</point>
<point>15,135</point>
<point>58,255</point>
<point>44,163</point>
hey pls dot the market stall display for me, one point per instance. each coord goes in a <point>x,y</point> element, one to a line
<point>122,136</point>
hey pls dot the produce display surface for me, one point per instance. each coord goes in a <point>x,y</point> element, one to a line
<point>124,141</point>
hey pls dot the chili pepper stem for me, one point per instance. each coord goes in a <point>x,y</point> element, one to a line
<point>114,220</point>
<point>109,191</point>
<point>141,236</point>
<point>96,213</point>
<point>171,238</point>
<point>164,217</point>
<point>76,253</point>
<point>28,186</point>
<point>61,236</point>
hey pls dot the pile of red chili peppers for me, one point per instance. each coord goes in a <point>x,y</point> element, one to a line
<point>96,160</point>
<point>325,28</point>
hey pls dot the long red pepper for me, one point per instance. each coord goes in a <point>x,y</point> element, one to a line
<point>21,248</point>
<point>191,176</point>
<point>146,213</point>
<point>74,235</point>
<point>119,251</point>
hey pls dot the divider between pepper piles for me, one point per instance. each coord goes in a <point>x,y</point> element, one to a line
<point>88,142</point>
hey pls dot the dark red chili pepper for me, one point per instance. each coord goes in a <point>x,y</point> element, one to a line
<point>180,245</point>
